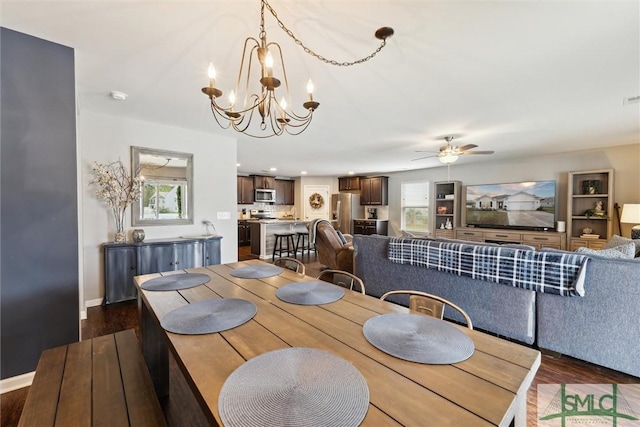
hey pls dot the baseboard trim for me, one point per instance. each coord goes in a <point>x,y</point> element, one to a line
<point>14,383</point>
<point>90,303</point>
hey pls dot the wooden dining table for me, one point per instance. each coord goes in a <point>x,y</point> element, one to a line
<point>487,389</point>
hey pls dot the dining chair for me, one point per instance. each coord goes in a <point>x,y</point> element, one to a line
<point>290,264</point>
<point>341,278</point>
<point>429,304</point>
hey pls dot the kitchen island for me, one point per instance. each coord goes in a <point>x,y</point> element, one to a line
<point>263,233</point>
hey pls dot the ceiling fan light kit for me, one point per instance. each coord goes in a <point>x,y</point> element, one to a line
<point>449,153</point>
<point>276,117</point>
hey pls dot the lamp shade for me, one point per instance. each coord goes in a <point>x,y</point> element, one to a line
<point>630,214</point>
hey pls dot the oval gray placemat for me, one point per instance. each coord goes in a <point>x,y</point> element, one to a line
<point>310,293</point>
<point>175,282</point>
<point>294,387</point>
<point>256,271</point>
<point>418,338</point>
<point>209,316</point>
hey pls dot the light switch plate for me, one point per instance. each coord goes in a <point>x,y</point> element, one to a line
<point>224,215</point>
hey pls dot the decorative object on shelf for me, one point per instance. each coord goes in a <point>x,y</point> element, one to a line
<point>591,187</point>
<point>275,116</point>
<point>137,235</point>
<point>631,215</point>
<point>587,230</point>
<point>442,210</point>
<point>595,213</point>
<point>448,225</point>
<point>316,201</point>
<point>118,189</point>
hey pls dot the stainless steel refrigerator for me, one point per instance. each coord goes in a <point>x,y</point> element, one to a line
<point>345,207</point>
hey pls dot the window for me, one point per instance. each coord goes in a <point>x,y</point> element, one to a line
<point>163,199</point>
<point>415,206</point>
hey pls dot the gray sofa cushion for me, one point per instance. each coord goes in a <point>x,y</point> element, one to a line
<point>619,240</point>
<point>627,251</point>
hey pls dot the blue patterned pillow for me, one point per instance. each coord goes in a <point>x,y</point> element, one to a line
<point>627,251</point>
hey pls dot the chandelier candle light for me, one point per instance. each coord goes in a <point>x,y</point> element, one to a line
<point>276,117</point>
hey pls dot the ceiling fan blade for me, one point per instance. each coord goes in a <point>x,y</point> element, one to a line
<point>478,152</point>
<point>422,151</point>
<point>467,147</point>
<point>422,158</point>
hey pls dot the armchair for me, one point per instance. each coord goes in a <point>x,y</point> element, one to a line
<point>330,248</point>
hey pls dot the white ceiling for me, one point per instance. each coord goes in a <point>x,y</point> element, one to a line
<point>517,77</point>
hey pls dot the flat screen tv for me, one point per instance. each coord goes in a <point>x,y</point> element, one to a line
<point>519,205</point>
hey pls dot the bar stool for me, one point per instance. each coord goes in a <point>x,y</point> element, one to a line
<point>304,235</point>
<point>288,238</point>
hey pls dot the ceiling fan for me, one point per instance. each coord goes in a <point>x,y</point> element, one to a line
<point>449,153</point>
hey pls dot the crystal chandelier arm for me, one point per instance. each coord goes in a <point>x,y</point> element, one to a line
<point>381,34</point>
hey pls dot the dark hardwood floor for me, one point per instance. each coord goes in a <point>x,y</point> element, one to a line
<point>116,317</point>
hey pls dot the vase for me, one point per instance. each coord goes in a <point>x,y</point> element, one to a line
<point>120,237</point>
<point>137,235</point>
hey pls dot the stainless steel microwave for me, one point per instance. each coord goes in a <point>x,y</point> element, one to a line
<point>265,196</point>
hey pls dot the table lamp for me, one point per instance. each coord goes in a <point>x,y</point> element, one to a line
<point>631,215</point>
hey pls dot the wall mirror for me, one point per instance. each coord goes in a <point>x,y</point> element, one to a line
<point>167,189</point>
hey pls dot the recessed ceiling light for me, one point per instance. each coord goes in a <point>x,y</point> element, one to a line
<point>118,96</point>
<point>273,169</point>
<point>237,165</point>
<point>351,173</point>
<point>303,172</point>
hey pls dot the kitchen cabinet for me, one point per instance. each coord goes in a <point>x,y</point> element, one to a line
<point>374,191</point>
<point>349,183</point>
<point>370,226</point>
<point>284,192</point>
<point>244,233</point>
<point>245,190</point>
<point>585,189</point>
<point>264,182</point>
<point>124,261</point>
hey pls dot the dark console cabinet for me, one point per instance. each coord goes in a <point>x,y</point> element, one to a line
<point>124,261</point>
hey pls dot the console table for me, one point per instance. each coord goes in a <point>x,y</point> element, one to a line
<point>537,239</point>
<point>123,261</point>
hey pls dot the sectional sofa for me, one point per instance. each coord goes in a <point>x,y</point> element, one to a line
<point>601,327</point>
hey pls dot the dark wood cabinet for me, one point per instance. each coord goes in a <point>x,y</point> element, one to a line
<point>349,183</point>
<point>284,192</point>
<point>374,191</point>
<point>245,190</point>
<point>369,227</point>
<point>264,182</point>
<point>244,233</point>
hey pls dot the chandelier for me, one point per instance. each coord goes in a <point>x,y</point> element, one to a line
<point>257,96</point>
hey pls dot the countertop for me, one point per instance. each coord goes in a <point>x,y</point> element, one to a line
<point>278,221</point>
<point>370,219</point>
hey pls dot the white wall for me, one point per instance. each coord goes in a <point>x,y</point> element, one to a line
<point>106,138</point>
<point>625,160</point>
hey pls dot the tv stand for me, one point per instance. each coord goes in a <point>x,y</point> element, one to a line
<point>537,239</point>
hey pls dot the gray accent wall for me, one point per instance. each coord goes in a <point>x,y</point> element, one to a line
<point>39,206</point>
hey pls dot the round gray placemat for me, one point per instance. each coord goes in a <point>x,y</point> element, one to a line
<point>294,387</point>
<point>175,282</point>
<point>418,338</point>
<point>310,293</point>
<point>209,316</point>
<point>256,271</point>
